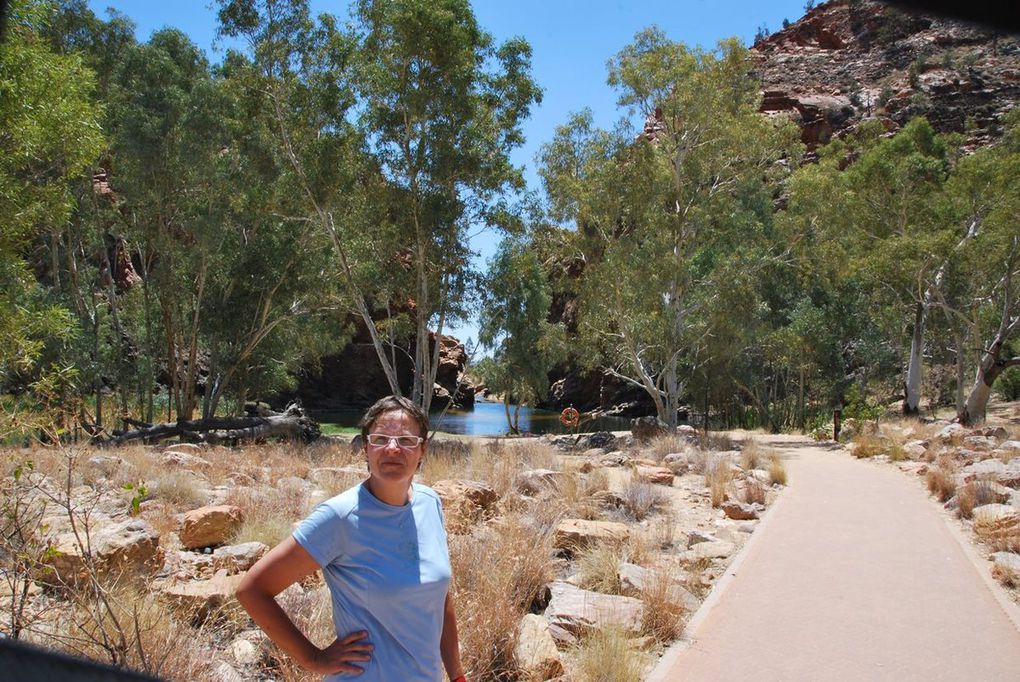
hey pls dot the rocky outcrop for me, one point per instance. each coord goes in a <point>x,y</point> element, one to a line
<point>847,61</point>
<point>573,612</point>
<point>573,535</point>
<point>354,377</point>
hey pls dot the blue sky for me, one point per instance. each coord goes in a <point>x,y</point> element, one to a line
<point>572,41</point>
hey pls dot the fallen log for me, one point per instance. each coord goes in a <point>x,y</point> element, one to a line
<point>291,424</point>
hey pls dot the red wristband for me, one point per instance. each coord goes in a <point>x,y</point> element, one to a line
<point>462,678</point>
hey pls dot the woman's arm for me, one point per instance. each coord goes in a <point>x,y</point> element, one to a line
<point>449,642</point>
<point>284,565</point>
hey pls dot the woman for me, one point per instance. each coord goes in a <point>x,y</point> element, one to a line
<point>383,553</point>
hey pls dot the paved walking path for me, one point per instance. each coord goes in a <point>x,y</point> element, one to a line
<point>853,575</point>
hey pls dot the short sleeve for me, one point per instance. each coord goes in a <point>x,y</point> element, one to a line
<point>322,534</point>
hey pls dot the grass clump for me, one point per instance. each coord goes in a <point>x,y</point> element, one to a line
<point>641,499</point>
<point>974,494</point>
<point>499,574</point>
<point>777,470</point>
<point>751,456</point>
<point>599,569</point>
<point>1001,534</point>
<point>663,615</point>
<point>941,483</point>
<point>606,656</point>
<point>717,480</point>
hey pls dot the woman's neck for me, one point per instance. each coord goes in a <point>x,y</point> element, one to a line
<point>395,495</point>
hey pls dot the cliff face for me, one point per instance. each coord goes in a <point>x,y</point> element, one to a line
<point>849,60</point>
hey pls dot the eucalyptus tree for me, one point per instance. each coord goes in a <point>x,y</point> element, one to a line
<point>670,213</point>
<point>513,323</point>
<point>442,109</point>
<point>985,192</point>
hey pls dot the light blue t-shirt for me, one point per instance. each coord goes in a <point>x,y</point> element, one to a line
<point>388,571</point>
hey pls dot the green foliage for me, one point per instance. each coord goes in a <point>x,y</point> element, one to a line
<point>139,493</point>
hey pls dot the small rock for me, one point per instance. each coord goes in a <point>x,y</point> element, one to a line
<point>617,458</point>
<point>225,673</point>
<point>740,511</point>
<point>599,439</point>
<point>184,460</point>
<point>653,474</point>
<point>244,652</point>
<point>950,431</point>
<point>534,481</point>
<point>915,448</point>
<point>202,598</point>
<point>238,558</point>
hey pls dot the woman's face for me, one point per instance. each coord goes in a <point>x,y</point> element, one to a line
<point>390,462</point>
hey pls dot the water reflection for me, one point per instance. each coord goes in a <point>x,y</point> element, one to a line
<point>488,419</point>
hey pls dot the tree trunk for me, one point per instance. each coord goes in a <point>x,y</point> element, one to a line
<point>291,424</point>
<point>989,369</point>
<point>912,393</point>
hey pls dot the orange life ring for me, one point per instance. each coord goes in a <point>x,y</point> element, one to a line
<point>570,417</point>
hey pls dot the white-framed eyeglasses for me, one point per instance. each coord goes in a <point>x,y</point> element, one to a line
<point>381,440</point>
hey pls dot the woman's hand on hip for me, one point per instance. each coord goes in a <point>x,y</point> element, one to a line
<point>341,655</point>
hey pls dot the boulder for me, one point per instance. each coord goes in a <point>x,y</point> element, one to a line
<point>617,458</point>
<point>536,651</point>
<point>996,432</point>
<point>660,475</point>
<point>210,526</point>
<point>720,549</point>
<point>534,481</point>
<point>573,535</point>
<point>128,548</point>
<point>997,516</point>
<point>202,598</point>
<point>607,499</point>
<point>697,536</point>
<point>238,558</point>
<point>915,448</point>
<point>573,612</point>
<point>993,469</point>
<point>951,432</point>
<point>645,429</point>
<point>741,511</point>
<point>1007,560</point>
<point>980,442</point>
<point>465,503</point>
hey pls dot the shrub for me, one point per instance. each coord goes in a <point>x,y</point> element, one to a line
<point>1002,535</point>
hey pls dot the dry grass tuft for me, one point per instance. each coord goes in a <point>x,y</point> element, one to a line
<point>1007,576</point>
<point>941,483</point>
<point>751,456</point>
<point>717,441</point>
<point>717,480</point>
<point>269,513</point>
<point>499,572</point>
<point>663,615</point>
<point>667,444</point>
<point>974,494</point>
<point>641,499</point>
<point>777,470</point>
<point>180,489</point>
<point>311,611</point>
<point>1002,535</point>
<point>599,568</point>
<point>606,656</point>
<point>868,444</point>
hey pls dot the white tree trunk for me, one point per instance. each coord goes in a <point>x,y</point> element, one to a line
<point>912,397</point>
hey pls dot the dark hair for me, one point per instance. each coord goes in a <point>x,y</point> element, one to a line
<point>394,403</point>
